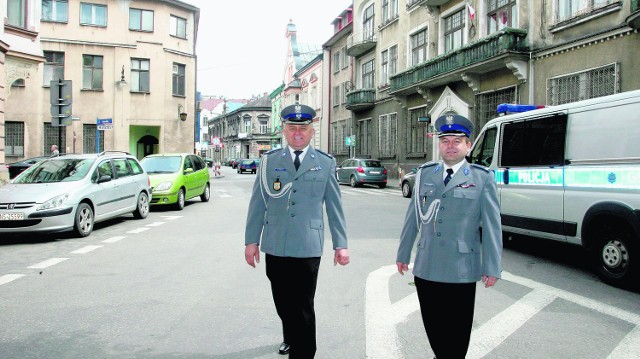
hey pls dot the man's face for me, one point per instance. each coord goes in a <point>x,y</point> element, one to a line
<point>454,148</point>
<point>298,136</point>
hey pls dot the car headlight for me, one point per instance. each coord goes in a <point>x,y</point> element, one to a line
<point>164,186</point>
<point>54,202</point>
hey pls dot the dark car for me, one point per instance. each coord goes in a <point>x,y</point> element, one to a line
<point>407,181</point>
<point>248,165</point>
<point>17,167</point>
<point>358,171</point>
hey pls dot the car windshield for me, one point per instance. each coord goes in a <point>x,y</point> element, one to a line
<point>63,170</point>
<point>371,164</point>
<point>164,164</point>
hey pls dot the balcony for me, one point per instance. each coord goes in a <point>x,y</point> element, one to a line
<point>362,99</point>
<point>633,20</point>
<point>504,49</point>
<point>361,42</point>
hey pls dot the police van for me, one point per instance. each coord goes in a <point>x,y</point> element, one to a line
<point>572,173</point>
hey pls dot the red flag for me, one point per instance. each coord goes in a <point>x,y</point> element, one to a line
<point>472,12</point>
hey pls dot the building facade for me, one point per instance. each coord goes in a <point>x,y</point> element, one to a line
<point>416,60</point>
<point>132,70</point>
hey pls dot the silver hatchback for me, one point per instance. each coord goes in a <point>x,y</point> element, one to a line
<point>72,192</point>
<point>358,171</point>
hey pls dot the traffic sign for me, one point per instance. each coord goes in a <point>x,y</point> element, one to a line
<point>104,123</point>
<point>216,141</point>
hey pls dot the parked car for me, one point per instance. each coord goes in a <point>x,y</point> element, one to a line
<point>407,181</point>
<point>209,161</point>
<point>248,165</point>
<point>73,192</point>
<point>176,178</point>
<point>358,171</point>
<point>16,168</point>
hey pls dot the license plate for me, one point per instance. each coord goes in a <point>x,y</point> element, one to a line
<point>375,172</point>
<point>11,216</point>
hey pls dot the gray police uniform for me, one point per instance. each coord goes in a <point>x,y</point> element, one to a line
<point>286,209</point>
<point>446,220</point>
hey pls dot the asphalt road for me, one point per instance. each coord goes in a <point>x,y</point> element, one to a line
<point>175,285</point>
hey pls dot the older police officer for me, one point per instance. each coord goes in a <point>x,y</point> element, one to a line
<point>285,221</point>
<point>451,199</point>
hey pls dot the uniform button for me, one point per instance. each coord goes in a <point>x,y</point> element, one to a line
<point>442,208</point>
<point>439,234</point>
<point>295,190</point>
<point>444,195</point>
<point>293,215</point>
<point>439,221</point>
<point>293,203</point>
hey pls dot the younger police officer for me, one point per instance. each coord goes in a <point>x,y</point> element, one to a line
<point>285,221</point>
<point>451,199</point>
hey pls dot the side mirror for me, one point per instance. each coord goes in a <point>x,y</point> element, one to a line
<point>104,178</point>
<point>188,170</point>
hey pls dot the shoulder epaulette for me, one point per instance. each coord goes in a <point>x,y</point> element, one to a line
<point>428,164</point>
<point>324,153</point>
<point>272,151</point>
<point>480,167</point>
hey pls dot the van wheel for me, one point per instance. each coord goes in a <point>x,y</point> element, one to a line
<point>181,200</point>
<point>83,224</point>
<point>611,255</point>
<point>406,190</point>
<point>204,197</point>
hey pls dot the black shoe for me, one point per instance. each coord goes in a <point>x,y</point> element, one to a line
<point>284,349</point>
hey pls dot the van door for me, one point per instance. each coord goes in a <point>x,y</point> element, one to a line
<point>484,152</point>
<point>531,176</point>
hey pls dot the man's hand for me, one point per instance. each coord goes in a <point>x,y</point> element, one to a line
<point>402,267</point>
<point>341,256</point>
<point>489,281</point>
<point>252,254</point>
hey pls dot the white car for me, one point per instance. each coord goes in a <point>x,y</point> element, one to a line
<point>72,192</point>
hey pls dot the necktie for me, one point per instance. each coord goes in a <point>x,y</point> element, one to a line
<point>296,161</point>
<point>449,173</point>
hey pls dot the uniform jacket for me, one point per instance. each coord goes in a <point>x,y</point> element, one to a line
<point>292,225</point>
<point>449,246</point>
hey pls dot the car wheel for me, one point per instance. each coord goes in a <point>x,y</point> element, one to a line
<point>181,200</point>
<point>142,208</point>
<point>204,197</point>
<point>406,189</point>
<point>611,254</point>
<point>382,185</point>
<point>83,224</point>
<point>353,182</point>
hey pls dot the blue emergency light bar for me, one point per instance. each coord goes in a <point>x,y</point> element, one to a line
<point>507,108</point>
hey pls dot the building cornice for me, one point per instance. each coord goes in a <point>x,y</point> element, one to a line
<point>584,41</point>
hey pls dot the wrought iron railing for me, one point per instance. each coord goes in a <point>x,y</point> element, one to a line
<point>361,96</point>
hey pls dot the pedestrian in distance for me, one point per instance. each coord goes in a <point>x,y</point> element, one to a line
<point>54,150</point>
<point>285,221</point>
<point>451,200</point>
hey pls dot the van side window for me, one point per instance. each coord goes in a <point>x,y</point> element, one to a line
<point>537,142</point>
<point>482,153</point>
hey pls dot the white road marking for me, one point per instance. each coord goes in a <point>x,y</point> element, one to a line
<point>171,218</point>
<point>371,191</point>
<point>155,224</point>
<point>86,249</point>
<point>48,263</point>
<point>138,230</point>
<point>382,316</point>
<point>224,195</point>
<point>114,239</point>
<point>9,278</point>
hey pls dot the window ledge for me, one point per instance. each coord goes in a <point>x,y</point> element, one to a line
<point>389,22</point>
<point>92,90</point>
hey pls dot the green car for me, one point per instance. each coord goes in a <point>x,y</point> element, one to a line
<point>177,177</point>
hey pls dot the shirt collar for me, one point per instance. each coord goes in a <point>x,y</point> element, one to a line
<point>304,152</point>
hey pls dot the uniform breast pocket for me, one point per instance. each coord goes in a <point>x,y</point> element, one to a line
<point>314,182</point>
<point>468,193</point>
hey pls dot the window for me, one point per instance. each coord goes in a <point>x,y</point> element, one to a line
<point>419,47</point>
<point>368,23</point>
<point>389,11</point>
<point>483,150</point>
<point>538,142</point>
<point>338,137</point>
<point>54,136</point>
<point>93,14</point>
<point>345,58</point>
<point>178,27</point>
<point>584,85</point>
<point>55,10</point>
<point>501,14</point>
<point>387,136</point>
<point>453,30</point>
<point>140,75</point>
<point>368,74</point>
<point>141,20</point>
<point>53,67</point>
<point>263,126</point>
<point>486,107</point>
<point>336,62</point>
<point>90,136</point>
<point>91,72</point>
<point>345,91</point>
<point>17,13</point>
<point>14,138</point>
<point>417,133</point>
<point>336,96</point>
<point>178,83</point>
<point>364,142</point>
<point>247,125</point>
<point>571,8</point>
<point>389,64</point>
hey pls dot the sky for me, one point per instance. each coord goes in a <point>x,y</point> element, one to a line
<point>241,45</point>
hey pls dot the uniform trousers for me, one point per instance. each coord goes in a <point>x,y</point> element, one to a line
<point>447,314</point>
<point>293,286</point>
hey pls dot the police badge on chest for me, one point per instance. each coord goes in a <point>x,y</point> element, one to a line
<point>276,184</point>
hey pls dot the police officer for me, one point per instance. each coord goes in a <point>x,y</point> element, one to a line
<point>451,199</point>
<point>285,221</point>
